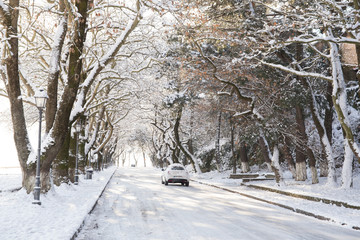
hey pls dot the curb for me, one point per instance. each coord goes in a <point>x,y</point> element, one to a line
<point>296,210</point>
<point>92,209</point>
<point>11,190</point>
<point>310,198</point>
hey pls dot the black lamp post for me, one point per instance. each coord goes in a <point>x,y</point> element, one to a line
<point>78,129</point>
<point>40,100</point>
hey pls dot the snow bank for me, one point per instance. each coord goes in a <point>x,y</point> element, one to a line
<point>61,213</point>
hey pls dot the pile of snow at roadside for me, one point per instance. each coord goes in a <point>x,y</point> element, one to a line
<point>60,214</point>
<point>321,189</point>
<point>347,217</point>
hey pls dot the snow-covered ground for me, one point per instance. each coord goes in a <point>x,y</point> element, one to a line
<point>60,215</point>
<point>346,217</point>
<point>136,206</point>
<point>351,196</point>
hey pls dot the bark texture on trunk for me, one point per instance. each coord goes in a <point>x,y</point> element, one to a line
<point>217,144</point>
<point>357,7</point>
<point>301,171</point>
<point>233,154</point>
<point>328,121</point>
<point>312,165</point>
<point>61,122</point>
<point>288,157</point>
<point>300,155</point>
<point>275,165</point>
<point>143,152</point>
<point>21,138</point>
<point>325,135</point>
<point>186,152</point>
<point>65,160</point>
<point>265,153</point>
<point>339,97</point>
<point>244,158</point>
<point>310,155</point>
<point>54,69</point>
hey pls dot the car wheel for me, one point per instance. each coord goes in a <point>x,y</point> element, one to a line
<point>182,184</point>
<point>187,184</point>
<point>166,183</point>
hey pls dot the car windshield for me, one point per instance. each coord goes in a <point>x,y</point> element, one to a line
<point>177,168</point>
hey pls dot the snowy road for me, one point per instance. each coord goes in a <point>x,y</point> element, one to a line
<point>137,206</point>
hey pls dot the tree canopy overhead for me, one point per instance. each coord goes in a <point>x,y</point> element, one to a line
<point>199,82</point>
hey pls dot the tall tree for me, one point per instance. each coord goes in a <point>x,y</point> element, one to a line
<point>66,65</point>
<point>9,15</point>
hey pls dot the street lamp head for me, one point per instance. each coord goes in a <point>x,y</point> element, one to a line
<point>40,98</point>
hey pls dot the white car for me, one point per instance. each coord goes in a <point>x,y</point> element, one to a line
<point>175,173</point>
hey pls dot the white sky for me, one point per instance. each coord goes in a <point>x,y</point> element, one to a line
<point>7,146</point>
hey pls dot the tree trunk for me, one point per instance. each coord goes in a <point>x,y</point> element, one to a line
<point>104,157</point>
<point>54,68</point>
<point>357,7</point>
<point>339,97</point>
<point>28,178</point>
<point>175,155</point>
<point>347,175</point>
<point>62,121</point>
<point>288,157</point>
<point>123,160</point>
<point>190,143</point>
<point>275,158</point>
<point>315,113</point>
<point>275,165</point>
<point>193,160</point>
<point>100,160</point>
<point>21,138</point>
<point>265,152</point>
<point>328,121</point>
<point>233,156</point>
<point>144,157</point>
<point>244,158</point>
<point>82,158</point>
<point>309,152</point>
<point>312,164</point>
<point>65,161</point>
<point>299,150</point>
<point>91,142</point>
<point>324,140</point>
<point>135,159</point>
<point>217,144</point>
<point>191,150</point>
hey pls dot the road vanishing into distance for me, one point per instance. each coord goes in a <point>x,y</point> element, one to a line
<point>136,206</point>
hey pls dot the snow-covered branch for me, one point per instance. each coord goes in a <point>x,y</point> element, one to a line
<point>148,65</point>
<point>4,11</point>
<point>102,6</point>
<point>101,64</point>
<point>108,135</point>
<point>296,72</point>
<point>336,40</point>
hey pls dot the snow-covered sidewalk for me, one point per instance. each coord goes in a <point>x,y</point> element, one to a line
<point>60,215</point>
<point>342,215</point>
